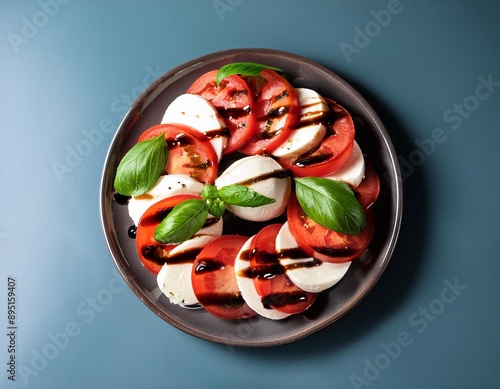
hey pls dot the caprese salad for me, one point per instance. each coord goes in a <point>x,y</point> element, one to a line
<point>242,144</point>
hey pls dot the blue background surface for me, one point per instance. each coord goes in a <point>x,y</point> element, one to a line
<point>70,68</point>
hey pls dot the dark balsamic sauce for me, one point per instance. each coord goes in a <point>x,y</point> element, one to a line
<point>218,133</point>
<point>337,253</point>
<point>121,199</point>
<point>319,154</point>
<point>181,140</point>
<point>229,300</point>
<point>280,174</point>
<point>235,113</point>
<point>157,217</point>
<point>266,266</point>
<point>278,112</point>
<point>149,251</point>
<point>208,265</point>
<point>187,256</point>
<point>276,300</point>
<point>155,253</point>
<point>131,232</point>
<point>311,159</point>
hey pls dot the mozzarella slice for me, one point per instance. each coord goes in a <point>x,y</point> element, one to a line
<point>301,140</point>
<point>174,279</point>
<point>166,186</point>
<point>213,227</point>
<point>352,171</point>
<point>260,174</point>
<point>247,287</point>
<point>312,105</point>
<point>196,112</point>
<point>310,131</point>
<point>307,273</point>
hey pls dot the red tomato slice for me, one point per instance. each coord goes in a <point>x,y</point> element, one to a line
<point>153,254</point>
<point>325,244</point>
<point>332,152</point>
<point>234,102</point>
<point>367,192</point>
<point>277,110</point>
<point>214,280</point>
<point>189,151</point>
<point>272,284</point>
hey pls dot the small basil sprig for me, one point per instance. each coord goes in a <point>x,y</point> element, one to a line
<point>141,167</point>
<point>188,217</point>
<point>216,206</point>
<point>243,68</point>
<point>331,204</point>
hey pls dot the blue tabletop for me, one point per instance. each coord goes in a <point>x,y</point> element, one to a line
<point>69,71</point>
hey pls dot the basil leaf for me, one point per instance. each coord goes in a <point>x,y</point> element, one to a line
<point>243,68</point>
<point>216,207</point>
<point>141,167</point>
<point>331,204</point>
<point>243,196</point>
<point>185,220</point>
<point>209,192</point>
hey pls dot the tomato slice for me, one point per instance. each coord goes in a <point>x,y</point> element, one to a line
<point>189,151</point>
<point>153,255</point>
<point>234,102</point>
<point>332,152</point>
<point>277,291</point>
<point>214,279</point>
<point>325,244</point>
<point>367,192</point>
<point>277,110</point>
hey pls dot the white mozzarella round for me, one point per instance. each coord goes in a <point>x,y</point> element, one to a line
<point>247,287</point>
<point>256,167</point>
<point>301,140</point>
<point>213,229</point>
<point>166,186</point>
<point>352,171</point>
<point>309,132</point>
<point>174,279</point>
<point>196,112</point>
<point>312,105</point>
<point>307,273</point>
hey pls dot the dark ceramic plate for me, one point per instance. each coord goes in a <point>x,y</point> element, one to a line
<point>332,304</point>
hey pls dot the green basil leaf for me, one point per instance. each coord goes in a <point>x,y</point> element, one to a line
<point>216,207</point>
<point>185,220</point>
<point>243,196</point>
<point>209,192</point>
<point>331,204</point>
<point>243,68</point>
<point>141,167</point>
